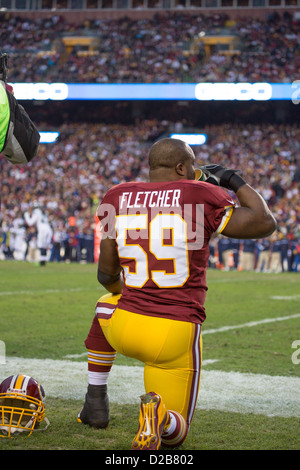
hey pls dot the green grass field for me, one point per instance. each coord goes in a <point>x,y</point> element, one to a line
<point>250,388</point>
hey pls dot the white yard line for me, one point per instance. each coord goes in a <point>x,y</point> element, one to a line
<point>285,297</point>
<point>240,279</point>
<point>228,391</point>
<point>249,324</point>
<point>44,291</point>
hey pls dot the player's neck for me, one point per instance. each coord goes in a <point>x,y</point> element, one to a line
<point>163,175</point>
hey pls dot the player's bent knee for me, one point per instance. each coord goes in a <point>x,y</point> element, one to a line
<point>110,298</point>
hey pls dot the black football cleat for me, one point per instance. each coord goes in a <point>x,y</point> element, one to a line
<point>95,411</point>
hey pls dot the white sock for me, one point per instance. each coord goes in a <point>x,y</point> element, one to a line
<point>172,426</point>
<point>98,378</point>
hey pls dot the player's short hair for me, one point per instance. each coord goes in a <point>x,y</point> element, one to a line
<point>168,153</point>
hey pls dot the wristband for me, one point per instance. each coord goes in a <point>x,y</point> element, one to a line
<point>236,182</point>
<point>107,279</point>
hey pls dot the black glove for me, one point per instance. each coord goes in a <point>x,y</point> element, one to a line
<point>221,176</point>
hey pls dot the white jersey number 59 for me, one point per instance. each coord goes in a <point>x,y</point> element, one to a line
<point>175,250</point>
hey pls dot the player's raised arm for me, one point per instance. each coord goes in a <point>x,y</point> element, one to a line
<point>253,219</point>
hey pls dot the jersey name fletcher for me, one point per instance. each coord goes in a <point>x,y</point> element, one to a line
<point>142,199</point>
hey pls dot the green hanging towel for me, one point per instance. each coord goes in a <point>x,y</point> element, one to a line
<point>5,115</point>
<point>19,138</point>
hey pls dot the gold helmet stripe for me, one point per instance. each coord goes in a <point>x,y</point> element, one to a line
<point>19,382</point>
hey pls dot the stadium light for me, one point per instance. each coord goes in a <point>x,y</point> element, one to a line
<point>191,139</point>
<point>48,137</point>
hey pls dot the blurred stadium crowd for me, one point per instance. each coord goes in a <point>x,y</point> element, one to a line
<point>161,49</point>
<point>68,178</point>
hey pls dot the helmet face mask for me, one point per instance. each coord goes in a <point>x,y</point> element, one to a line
<point>22,406</point>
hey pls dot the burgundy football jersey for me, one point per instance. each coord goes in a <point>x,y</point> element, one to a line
<point>162,232</point>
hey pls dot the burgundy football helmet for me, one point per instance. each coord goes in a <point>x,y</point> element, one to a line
<point>22,405</point>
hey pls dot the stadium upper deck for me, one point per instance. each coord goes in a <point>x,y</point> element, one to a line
<point>209,48</point>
